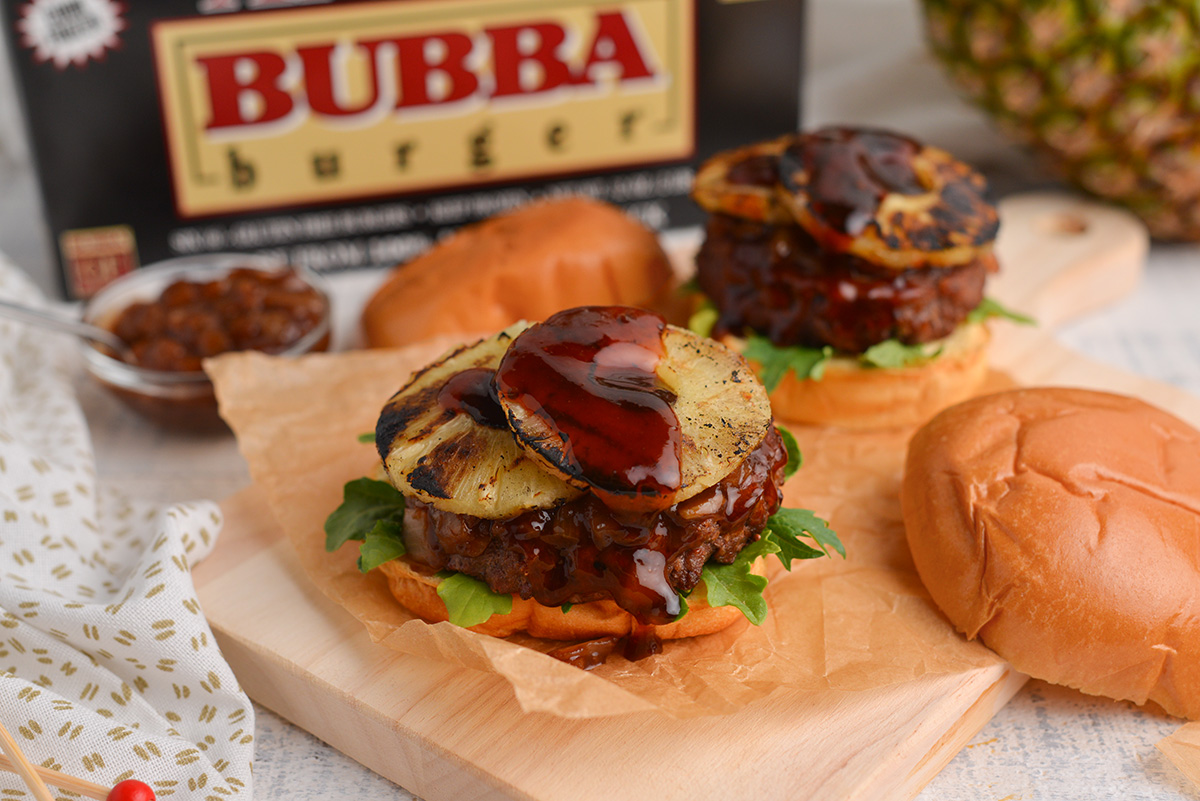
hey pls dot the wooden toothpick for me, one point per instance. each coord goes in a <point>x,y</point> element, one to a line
<point>23,767</point>
<point>63,781</point>
<point>12,759</point>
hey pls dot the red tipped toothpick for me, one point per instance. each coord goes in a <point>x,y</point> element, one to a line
<point>37,778</point>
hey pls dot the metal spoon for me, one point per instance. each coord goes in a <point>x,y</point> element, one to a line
<point>58,322</point>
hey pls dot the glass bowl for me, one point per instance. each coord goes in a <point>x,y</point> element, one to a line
<point>181,400</point>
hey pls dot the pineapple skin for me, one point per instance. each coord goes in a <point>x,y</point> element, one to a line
<point>1107,90</point>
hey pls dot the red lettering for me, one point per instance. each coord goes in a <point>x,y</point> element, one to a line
<point>416,71</point>
<point>226,89</point>
<point>507,58</point>
<point>246,89</point>
<point>318,80</point>
<point>614,43</point>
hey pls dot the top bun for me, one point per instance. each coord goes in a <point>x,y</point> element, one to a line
<point>524,265</point>
<point>1062,528</point>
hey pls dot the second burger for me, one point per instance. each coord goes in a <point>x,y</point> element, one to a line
<point>849,265</point>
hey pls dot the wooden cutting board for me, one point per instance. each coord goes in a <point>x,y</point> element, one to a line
<point>450,733</point>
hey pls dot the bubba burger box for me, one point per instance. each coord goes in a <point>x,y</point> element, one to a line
<point>351,134</point>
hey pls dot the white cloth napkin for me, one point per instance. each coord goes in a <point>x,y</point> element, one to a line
<point>108,669</point>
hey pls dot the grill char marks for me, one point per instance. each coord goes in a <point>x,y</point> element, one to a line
<point>398,415</point>
<point>444,438</point>
<point>438,473</point>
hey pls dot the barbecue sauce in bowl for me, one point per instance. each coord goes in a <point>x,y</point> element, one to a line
<point>588,377</point>
<point>176,313</point>
<point>245,309</point>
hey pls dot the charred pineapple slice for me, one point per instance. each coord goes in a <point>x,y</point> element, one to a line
<point>743,183</point>
<point>721,407</point>
<point>446,458</point>
<point>886,198</point>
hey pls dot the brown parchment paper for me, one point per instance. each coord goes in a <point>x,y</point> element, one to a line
<point>1183,749</point>
<point>853,624</point>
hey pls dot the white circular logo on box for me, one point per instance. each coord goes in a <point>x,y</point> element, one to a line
<point>70,31</point>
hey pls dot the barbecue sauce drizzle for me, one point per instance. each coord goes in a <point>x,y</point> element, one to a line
<point>473,392</point>
<point>849,172</point>
<point>589,374</point>
<point>638,644</point>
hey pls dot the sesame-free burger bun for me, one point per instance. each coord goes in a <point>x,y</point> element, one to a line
<point>416,589</point>
<point>850,395</point>
<point>523,265</point>
<point>1062,528</point>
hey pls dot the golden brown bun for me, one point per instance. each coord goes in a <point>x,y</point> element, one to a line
<point>524,265</point>
<point>1062,528</point>
<point>852,396</point>
<point>416,589</point>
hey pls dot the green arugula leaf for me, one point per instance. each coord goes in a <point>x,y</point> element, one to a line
<point>734,585</point>
<point>703,319</point>
<point>566,608</point>
<point>470,601</point>
<point>790,549</point>
<point>366,436</point>
<point>990,308</point>
<point>893,353</point>
<point>776,361</point>
<point>794,459</point>
<point>683,609</point>
<point>383,543</point>
<point>365,501</point>
<point>787,526</point>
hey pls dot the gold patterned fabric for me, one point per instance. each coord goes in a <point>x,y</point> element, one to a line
<point>108,669</point>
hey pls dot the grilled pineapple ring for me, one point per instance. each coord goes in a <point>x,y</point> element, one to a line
<point>922,206</point>
<point>720,186</point>
<point>721,406</point>
<point>450,461</point>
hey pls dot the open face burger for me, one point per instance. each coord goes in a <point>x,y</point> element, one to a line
<point>600,476</point>
<point>849,266</point>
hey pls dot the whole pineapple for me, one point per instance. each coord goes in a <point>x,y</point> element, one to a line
<point>1109,89</point>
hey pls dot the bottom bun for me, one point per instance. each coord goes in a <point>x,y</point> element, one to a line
<point>416,589</point>
<point>853,396</point>
<point>1060,527</point>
